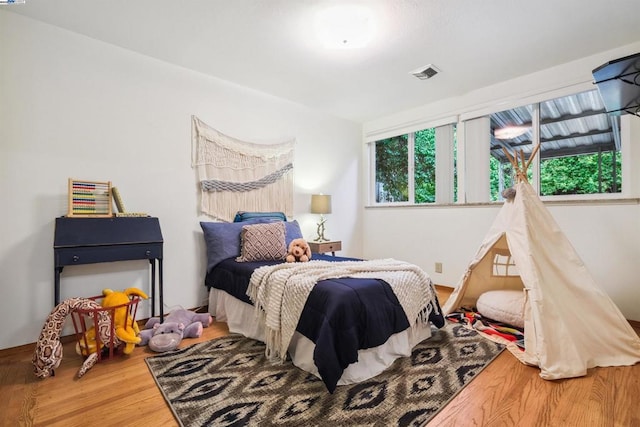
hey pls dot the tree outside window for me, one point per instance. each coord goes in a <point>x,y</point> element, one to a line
<point>579,146</point>
<point>392,169</point>
<point>407,170</point>
<point>425,166</point>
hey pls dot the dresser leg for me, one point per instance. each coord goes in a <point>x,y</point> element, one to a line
<point>153,287</point>
<point>160,286</point>
<point>56,286</point>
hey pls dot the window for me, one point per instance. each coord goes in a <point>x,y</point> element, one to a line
<point>503,264</point>
<point>511,130</point>
<point>579,146</point>
<point>425,166</point>
<point>392,170</point>
<point>407,167</point>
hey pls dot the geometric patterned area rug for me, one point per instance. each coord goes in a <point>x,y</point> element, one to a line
<point>228,381</point>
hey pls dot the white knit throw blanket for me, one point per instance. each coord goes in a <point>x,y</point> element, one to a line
<point>279,293</point>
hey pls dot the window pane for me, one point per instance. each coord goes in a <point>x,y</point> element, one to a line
<point>584,174</point>
<point>392,165</point>
<point>502,176</point>
<point>510,129</point>
<point>580,146</point>
<point>503,264</point>
<point>425,166</point>
<point>455,164</point>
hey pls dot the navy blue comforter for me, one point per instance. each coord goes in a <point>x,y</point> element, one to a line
<point>341,316</point>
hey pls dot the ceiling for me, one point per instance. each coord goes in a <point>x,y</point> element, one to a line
<point>271,45</point>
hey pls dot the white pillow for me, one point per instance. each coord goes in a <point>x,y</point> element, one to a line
<point>504,306</point>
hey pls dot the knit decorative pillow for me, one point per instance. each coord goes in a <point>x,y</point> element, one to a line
<point>262,242</point>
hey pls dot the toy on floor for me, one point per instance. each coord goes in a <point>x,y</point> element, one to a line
<point>178,324</point>
<point>48,352</point>
<point>126,328</point>
<point>166,336</point>
<point>88,344</point>
<point>299,251</point>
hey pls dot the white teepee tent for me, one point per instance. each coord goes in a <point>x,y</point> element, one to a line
<point>571,324</point>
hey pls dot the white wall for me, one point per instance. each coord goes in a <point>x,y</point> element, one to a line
<point>606,236</point>
<point>71,106</point>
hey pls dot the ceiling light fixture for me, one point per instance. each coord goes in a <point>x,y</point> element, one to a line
<point>510,132</point>
<point>345,27</point>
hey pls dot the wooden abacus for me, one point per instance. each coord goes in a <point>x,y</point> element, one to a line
<point>89,199</point>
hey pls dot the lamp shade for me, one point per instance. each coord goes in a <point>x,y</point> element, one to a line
<point>320,204</point>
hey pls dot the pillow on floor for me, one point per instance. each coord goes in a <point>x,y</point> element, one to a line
<point>505,306</point>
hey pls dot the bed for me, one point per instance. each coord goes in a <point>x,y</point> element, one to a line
<point>349,328</point>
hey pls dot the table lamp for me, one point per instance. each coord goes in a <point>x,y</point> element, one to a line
<point>321,204</point>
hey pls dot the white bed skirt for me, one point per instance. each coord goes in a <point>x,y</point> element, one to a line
<point>240,317</point>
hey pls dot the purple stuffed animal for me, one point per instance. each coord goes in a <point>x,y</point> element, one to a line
<point>177,325</point>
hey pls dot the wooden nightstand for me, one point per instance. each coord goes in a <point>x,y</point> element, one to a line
<point>322,247</point>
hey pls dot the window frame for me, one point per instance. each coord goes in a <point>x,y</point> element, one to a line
<point>630,176</point>
<point>531,115</point>
<point>445,167</point>
<point>628,188</point>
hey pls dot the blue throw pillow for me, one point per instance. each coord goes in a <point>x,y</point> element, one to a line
<point>292,231</point>
<point>242,216</point>
<point>222,240</point>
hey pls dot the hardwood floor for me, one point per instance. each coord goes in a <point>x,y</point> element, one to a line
<point>122,392</point>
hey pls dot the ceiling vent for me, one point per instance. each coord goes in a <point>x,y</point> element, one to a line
<point>426,72</point>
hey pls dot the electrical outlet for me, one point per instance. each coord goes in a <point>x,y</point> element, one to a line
<point>438,267</point>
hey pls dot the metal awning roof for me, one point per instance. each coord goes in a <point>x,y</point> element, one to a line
<point>569,126</point>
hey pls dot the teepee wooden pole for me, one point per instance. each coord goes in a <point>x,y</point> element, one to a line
<point>510,158</point>
<point>533,154</point>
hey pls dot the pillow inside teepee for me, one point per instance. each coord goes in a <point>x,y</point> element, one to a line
<point>505,306</point>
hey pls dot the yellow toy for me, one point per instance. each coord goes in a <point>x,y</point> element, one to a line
<point>88,344</point>
<point>126,327</point>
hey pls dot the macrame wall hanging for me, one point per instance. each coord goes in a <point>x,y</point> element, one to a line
<point>236,175</point>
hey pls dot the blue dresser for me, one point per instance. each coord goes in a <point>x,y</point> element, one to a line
<point>96,240</point>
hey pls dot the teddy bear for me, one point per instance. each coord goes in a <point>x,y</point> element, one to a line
<point>125,326</point>
<point>178,324</point>
<point>299,251</point>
